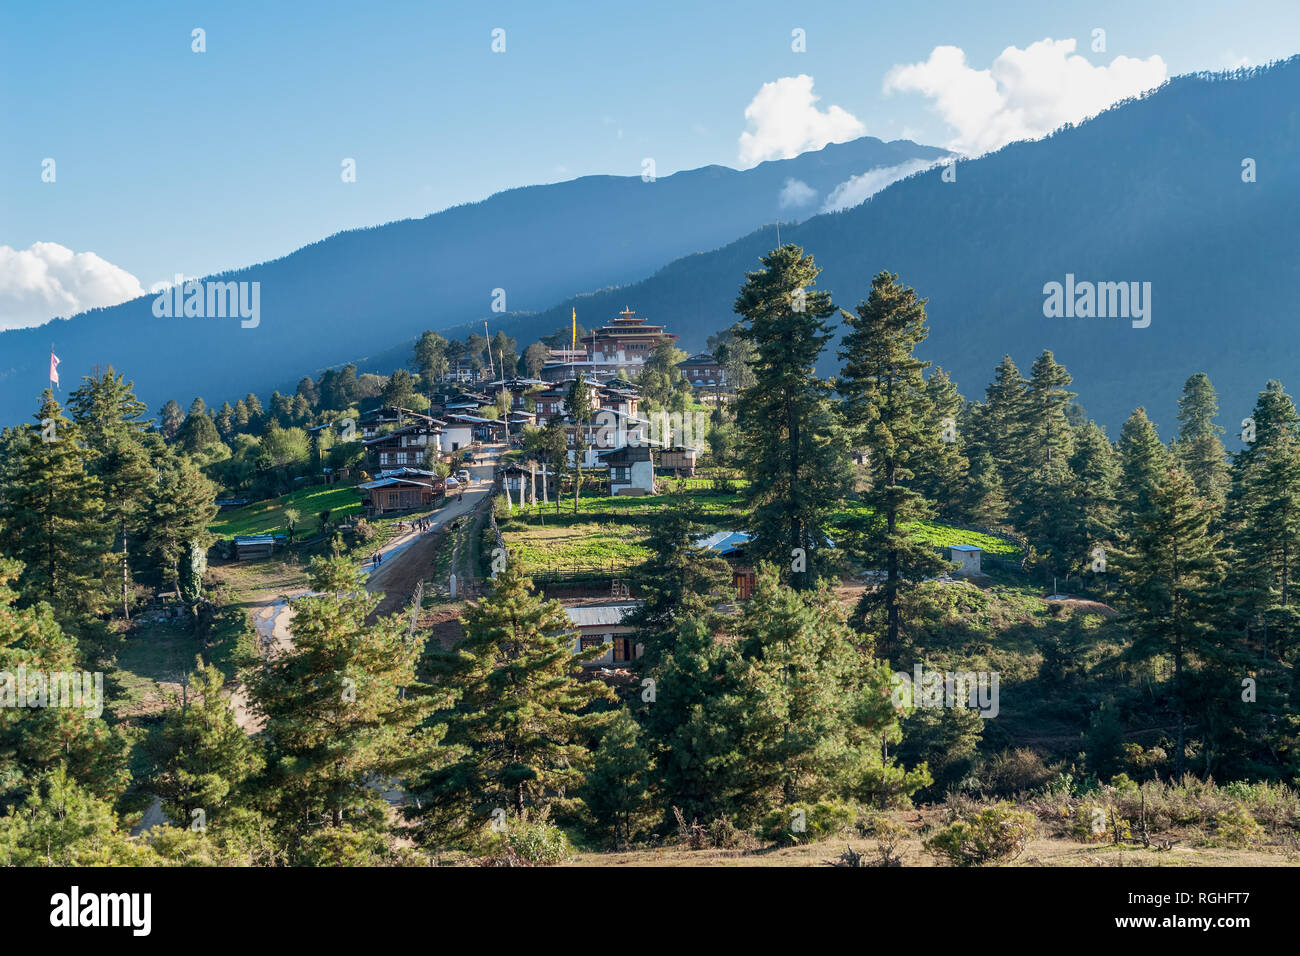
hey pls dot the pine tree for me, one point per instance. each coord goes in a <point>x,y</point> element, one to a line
<point>795,457</point>
<point>345,712</point>
<point>172,419</point>
<point>886,406</point>
<point>943,473</point>
<point>40,738</point>
<point>1170,567</point>
<point>523,720</point>
<point>1143,463</point>
<point>1045,492</point>
<point>1265,524</point>
<point>998,423</point>
<point>120,454</point>
<point>1199,450</point>
<point>680,581</point>
<point>203,757</point>
<point>51,516</point>
<point>805,649</point>
<point>617,788</point>
<point>1092,503</point>
<point>179,514</point>
<point>985,501</point>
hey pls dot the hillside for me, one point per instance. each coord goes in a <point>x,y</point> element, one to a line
<point>357,291</point>
<point>1149,191</point>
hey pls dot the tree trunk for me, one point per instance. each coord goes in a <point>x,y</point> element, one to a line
<point>126,608</point>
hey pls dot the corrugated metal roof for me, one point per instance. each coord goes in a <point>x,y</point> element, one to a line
<point>724,542</point>
<point>599,615</point>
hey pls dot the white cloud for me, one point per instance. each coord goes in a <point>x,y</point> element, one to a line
<point>784,121</point>
<point>1025,94</point>
<point>51,281</point>
<point>862,187</point>
<point>796,193</point>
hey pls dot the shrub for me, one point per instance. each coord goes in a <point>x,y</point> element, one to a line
<point>807,822</point>
<point>994,834</point>
<point>524,840</point>
<point>1015,771</point>
<point>363,531</point>
<point>1235,826</point>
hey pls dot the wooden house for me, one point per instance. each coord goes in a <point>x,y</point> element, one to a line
<point>603,625</point>
<point>404,489</point>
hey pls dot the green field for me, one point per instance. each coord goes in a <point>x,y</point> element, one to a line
<point>611,530</point>
<point>267,517</point>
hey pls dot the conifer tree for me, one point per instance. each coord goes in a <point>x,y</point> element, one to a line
<point>37,739</point>
<point>617,788</point>
<point>523,722</point>
<point>794,454</point>
<point>1092,502</point>
<point>1143,463</point>
<point>1170,567</point>
<point>203,756</point>
<point>345,712</point>
<point>1198,449</point>
<point>184,504</point>
<point>943,473</point>
<point>121,453</point>
<point>1045,492</point>
<point>680,581</point>
<point>998,423</point>
<point>51,516</point>
<point>886,406</point>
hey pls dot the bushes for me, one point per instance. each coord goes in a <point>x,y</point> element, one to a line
<point>807,822</point>
<point>526,840</point>
<point>1015,771</point>
<point>996,834</point>
<point>1235,827</point>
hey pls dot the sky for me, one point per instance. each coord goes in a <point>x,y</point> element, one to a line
<point>169,161</point>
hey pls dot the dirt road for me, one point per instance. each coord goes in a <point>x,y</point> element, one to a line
<point>407,559</point>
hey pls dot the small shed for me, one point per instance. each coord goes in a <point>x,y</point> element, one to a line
<point>254,546</point>
<point>966,557</point>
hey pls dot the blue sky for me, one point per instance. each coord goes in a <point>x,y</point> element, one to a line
<point>173,161</point>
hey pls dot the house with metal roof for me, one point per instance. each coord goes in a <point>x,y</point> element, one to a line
<point>604,624</point>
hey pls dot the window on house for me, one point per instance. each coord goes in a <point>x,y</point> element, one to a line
<point>624,649</point>
<point>588,641</point>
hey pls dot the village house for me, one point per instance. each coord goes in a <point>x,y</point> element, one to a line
<point>703,371</point>
<point>380,420</point>
<point>405,446</point>
<point>402,489</point>
<point>610,429</point>
<point>255,546</point>
<point>631,470</point>
<point>603,625</point>
<point>679,460</point>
